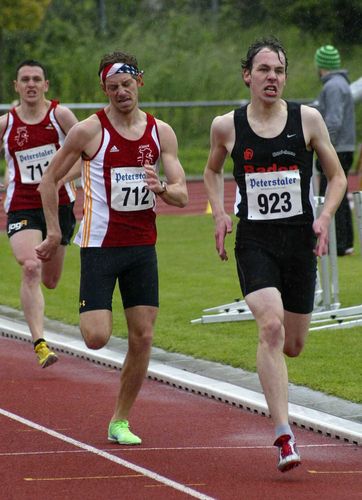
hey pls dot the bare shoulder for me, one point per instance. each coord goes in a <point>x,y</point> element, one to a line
<point>223,124</point>
<point>3,122</point>
<point>165,132</point>
<point>65,117</point>
<point>223,121</point>
<point>163,126</point>
<point>84,132</point>
<point>310,115</point>
<point>222,127</point>
<point>313,124</point>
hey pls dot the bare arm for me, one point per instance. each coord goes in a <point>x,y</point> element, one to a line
<point>66,120</point>
<point>3,121</point>
<point>75,143</point>
<point>176,193</point>
<point>74,173</point>
<point>221,140</point>
<point>317,136</point>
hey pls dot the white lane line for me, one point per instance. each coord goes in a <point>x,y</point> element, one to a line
<point>108,456</point>
<point>133,449</point>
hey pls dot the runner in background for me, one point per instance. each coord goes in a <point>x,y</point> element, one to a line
<point>122,147</point>
<point>31,132</point>
<point>271,142</point>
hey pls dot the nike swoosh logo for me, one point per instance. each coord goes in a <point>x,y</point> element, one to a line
<point>290,135</point>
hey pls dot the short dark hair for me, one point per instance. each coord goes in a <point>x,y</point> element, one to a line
<point>117,57</point>
<point>271,43</point>
<point>31,62</point>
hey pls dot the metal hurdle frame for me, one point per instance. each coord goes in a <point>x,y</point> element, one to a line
<point>327,307</point>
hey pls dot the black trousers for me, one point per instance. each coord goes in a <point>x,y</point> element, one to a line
<point>343,217</point>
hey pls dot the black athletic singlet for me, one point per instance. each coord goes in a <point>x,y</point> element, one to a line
<point>274,176</point>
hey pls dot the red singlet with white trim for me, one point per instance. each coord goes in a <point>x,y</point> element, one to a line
<point>119,209</point>
<point>28,151</point>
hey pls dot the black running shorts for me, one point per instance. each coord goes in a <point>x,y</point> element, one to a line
<point>134,267</point>
<point>280,256</point>
<point>20,220</point>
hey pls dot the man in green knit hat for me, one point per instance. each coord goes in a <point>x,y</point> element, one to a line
<point>336,105</point>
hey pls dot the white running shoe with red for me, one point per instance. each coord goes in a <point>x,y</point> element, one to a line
<point>288,453</point>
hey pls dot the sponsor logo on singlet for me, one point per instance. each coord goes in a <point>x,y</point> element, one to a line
<point>274,167</point>
<point>22,136</point>
<point>145,154</point>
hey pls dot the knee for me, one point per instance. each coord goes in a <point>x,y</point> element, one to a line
<point>50,282</point>
<point>272,333</point>
<point>93,339</point>
<point>141,341</point>
<point>292,350</point>
<point>31,270</point>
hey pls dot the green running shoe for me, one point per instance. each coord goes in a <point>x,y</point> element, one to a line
<point>118,431</point>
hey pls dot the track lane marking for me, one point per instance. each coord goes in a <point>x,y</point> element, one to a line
<point>335,471</point>
<point>147,473</point>
<point>176,448</point>
<point>81,478</point>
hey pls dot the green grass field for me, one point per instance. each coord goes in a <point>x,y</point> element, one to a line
<point>193,278</point>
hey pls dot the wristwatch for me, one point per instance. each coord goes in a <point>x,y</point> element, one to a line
<point>163,187</point>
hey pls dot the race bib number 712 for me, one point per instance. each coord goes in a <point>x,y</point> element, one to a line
<point>129,191</point>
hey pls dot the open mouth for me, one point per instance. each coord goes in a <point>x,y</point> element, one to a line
<point>270,90</point>
<point>126,100</point>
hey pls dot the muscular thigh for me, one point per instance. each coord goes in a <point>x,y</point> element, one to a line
<point>23,244</point>
<point>299,272</point>
<point>257,262</point>
<point>138,282</point>
<point>135,268</point>
<point>278,257</point>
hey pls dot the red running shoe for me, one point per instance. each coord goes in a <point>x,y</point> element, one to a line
<point>288,453</point>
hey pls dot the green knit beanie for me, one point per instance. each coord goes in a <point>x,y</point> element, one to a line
<point>327,57</point>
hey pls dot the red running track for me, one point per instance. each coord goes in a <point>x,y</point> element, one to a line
<point>54,445</point>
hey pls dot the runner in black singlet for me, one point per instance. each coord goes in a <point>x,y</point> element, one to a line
<point>271,142</point>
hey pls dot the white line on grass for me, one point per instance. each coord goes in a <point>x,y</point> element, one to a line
<point>108,456</point>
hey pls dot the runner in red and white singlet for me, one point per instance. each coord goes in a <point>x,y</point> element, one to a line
<point>118,204</point>
<point>122,147</point>
<point>29,149</point>
<point>31,134</point>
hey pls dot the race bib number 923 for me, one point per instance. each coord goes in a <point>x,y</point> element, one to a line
<point>273,195</point>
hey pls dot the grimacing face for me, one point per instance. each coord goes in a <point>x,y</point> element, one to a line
<point>30,83</point>
<point>267,76</point>
<point>122,90</point>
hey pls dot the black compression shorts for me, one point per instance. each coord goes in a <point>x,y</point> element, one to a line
<point>20,220</point>
<point>280,256</point>
<point>134,267</point>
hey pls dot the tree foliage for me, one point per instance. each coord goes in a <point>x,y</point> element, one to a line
<point>339,20</point>
<point>189,49</point>
<point>22,15</point>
